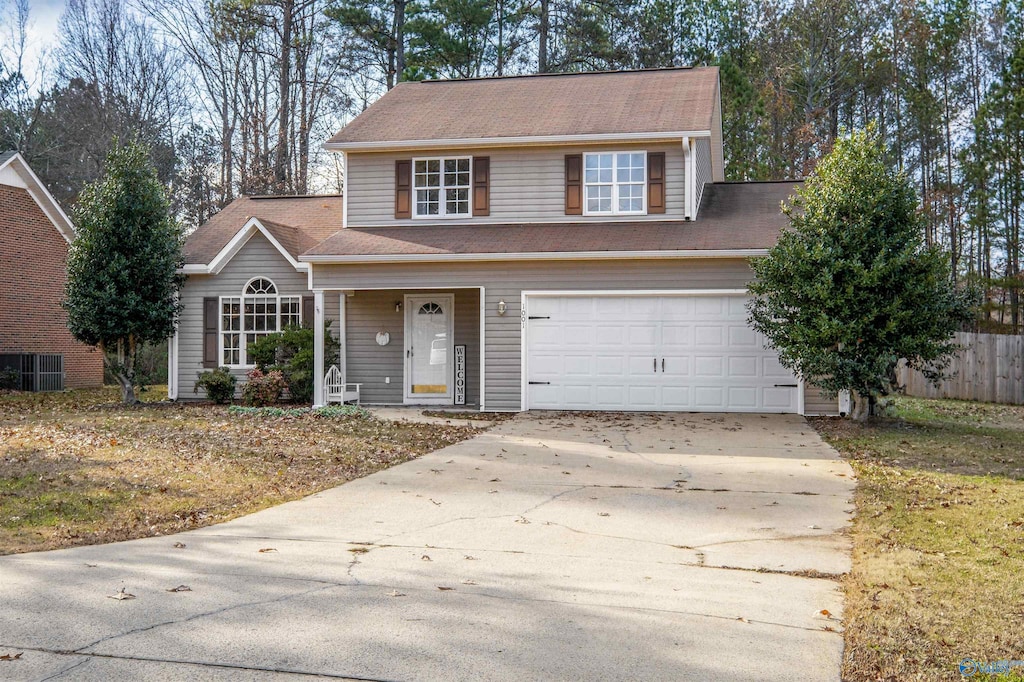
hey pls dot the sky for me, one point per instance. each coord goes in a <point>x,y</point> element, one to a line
<point>43,17</point>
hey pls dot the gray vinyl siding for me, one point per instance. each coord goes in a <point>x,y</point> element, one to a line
<point>702,167</point>
<point>507,280</point>
<point>369,312</point>
<point>817,403</point>
<point>258,258</point>
<point>527,184</point>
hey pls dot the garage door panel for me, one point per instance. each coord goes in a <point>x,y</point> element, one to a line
<point>709,398</point>
<point>709,366</point>
<point>676,335</point>
<point>742,336</point>
<point>779,398</point>
<point>708,336</point>
<point>643,397</point>
<point>742,397</point>
<point>675,397</point>
<point>743,367</point>
<point>578,365</point>
<point>651,353</point>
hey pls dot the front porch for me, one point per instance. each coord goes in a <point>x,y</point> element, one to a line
<point>404,346</point>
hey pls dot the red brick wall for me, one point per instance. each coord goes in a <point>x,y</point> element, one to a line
<point>32,276</point>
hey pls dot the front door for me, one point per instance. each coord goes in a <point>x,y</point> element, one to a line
<point>428,349</point>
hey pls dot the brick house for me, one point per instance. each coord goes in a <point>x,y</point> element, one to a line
<point>34,238</point>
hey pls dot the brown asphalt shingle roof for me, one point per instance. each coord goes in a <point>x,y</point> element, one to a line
<point>731,216</point>
<point>646,101</point>
<point>298,223</point>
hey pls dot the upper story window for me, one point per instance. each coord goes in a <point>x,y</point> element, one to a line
<point>442,187</point>
<point>259,311</point>
<point>615,183</point>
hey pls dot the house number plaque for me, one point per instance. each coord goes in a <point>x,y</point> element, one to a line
<point>460,375</point>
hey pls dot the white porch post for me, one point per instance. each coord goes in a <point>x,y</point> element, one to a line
<point>342,336</point>
<point>318,348</point>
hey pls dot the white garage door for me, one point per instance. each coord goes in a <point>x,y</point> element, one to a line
<point>688,353</point>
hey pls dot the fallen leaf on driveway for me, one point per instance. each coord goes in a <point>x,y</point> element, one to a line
<point>267,549</point>
<point>467,582</point>
<point>396,593</point>
<point>121,596</point>
<point>425,558</point>
<point>180,588</point>
<point>814,527</point>
<point>742,619</point>
<point>11,657</point>
<point>470,558</point>
<point>179,545</point>
<point>603,514</point>
<point>826,613</point>
<point>91,565</point>
<point>494,480</point>
<point>445,589</point>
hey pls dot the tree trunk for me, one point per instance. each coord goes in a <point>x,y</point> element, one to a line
<point>542,38</point>
<point>399,40</point>
<point>861,408</point>
<point>281,161</point>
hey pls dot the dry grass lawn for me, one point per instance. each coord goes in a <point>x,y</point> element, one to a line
<point>77,468</point>
<point>938,565</point>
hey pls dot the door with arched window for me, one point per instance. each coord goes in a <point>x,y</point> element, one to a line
<point>428,348</point>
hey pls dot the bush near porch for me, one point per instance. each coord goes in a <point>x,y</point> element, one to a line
<point>79,468</point>
<point>938,539</point>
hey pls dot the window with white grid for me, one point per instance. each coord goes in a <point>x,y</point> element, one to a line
<point>258,312</point>
<point>442,187</point>
<point>615,183</point>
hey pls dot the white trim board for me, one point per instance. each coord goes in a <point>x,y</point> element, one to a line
<point>514,141</point>
<point>543,255</point>
<point>37,190</point>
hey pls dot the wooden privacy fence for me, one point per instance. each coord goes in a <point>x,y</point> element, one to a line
<point>989,368</point>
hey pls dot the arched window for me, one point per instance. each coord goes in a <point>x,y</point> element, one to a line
<point>430,309</point>
<point>259,311</point>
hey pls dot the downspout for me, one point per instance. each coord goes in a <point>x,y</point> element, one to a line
<point>689,179</point>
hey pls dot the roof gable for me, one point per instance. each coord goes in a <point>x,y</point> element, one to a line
<point>666,102</point>
<point>15,172</point>
<point>292,224</point>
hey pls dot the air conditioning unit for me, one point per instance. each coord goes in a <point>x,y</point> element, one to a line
<point>34,371</point>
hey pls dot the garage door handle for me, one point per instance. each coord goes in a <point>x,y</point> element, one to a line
<point>655,364</point>
<point>540,383</point>
<point>786,385</point>
<point>663,364</point>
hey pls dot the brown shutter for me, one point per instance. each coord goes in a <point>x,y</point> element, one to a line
<point>573,184</point>
<point>210,311</point>
<point>403,189</point>
<point>481,185</point>
<point>308,314</point>
<point>656,182</point>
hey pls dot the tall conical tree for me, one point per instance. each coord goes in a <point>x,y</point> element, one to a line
<point>850,289</point>
<point>123,281</point>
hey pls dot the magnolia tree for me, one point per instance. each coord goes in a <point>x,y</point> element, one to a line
<point>123,281</point>
<point>850,288</point>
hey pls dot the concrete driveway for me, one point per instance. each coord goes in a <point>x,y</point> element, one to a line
<point>554,546</point>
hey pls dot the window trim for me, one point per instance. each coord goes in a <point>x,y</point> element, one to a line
<point>615,183</point>
<point>243,360</point>
<point>442,213</point>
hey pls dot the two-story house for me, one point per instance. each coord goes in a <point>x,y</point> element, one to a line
<point>534,242</point>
